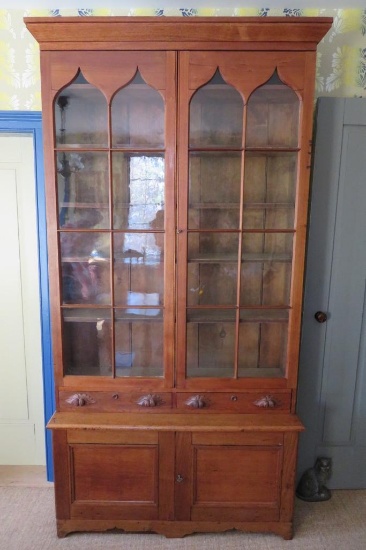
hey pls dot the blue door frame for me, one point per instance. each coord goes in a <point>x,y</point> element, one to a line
<point>30,122</point>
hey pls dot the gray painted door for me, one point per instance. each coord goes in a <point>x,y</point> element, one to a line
<point>332,382</point>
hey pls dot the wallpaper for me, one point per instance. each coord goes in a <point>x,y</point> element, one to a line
<point>341,59</point>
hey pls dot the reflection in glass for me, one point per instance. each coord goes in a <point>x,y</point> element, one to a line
<point>87,342</point>
<point>267,109</point>
<point>214,190</point>
<point>139,343</point>
<point>139,269</point>
<point>210,343</point>
<point>137,116</point>
<point>85,267</point>
<point>263,342</point>
<point>216,115</point>
<point>83,190</point>
<point>138,191</point>
<point>81,116</point>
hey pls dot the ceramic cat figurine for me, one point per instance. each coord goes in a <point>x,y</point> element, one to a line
<point>311,486</point>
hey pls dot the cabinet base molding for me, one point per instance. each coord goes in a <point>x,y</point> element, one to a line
<point>172,529</point>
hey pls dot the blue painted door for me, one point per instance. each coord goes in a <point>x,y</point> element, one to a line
<point>332,383</point>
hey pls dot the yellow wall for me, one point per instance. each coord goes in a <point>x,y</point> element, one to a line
<point>341,66</point>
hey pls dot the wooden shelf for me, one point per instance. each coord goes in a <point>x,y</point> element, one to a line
<point>155,315</point>
<point>233,258</point>
<point>237,206</point>
<point>264,315</point>
<point>139,372</point>
<point>83,205</point>
<point>84,260</point>
<point>98,148</point>
<point>267,150</point>
<point>255,372</point>
<point>83,315</point>
<point>260,315</point>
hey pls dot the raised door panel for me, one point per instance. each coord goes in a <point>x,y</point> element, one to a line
<point>123,476</point>
<point>120,475</point>
<point>234,477</point>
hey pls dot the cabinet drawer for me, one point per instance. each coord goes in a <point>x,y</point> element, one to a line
<point>247,438</point>
<point>114,401</point>
<point>112,437</point>
<point>249,402</point>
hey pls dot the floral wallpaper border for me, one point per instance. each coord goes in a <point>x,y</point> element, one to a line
<point>341,59</point>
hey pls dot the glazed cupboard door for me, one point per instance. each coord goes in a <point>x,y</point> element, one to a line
<point>243,176</point>
<point>111,175</point>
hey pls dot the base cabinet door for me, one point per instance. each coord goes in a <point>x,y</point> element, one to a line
<point>116,475</point>
<point>233,477</point>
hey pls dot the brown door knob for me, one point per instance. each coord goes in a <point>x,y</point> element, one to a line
<point>320,316</point>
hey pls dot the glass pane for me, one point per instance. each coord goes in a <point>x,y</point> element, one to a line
<point>139,269</point>
<point>137,116</point>
<point>83,190</point>
<point>214,190</point>
<point>213,247</point>
<point>216,115</point>
<point>81,116</point>
<point>269,190</point>
<point>212,284</point>
<point>138,191</point>
<point>263,343</point>
<point>265,283</point>
<point>139,343</point>
<point>85,268</point>
<point>266,269</point>
<point>267,247</point>
<point>210,343</point>
<point>273,116</point>
<point>212,268</point>
<point>87,340</point>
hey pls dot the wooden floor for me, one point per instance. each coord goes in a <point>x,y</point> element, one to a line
<point>24,476</point>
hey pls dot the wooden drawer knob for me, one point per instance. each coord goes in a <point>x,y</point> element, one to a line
<point>149,401</point>
<point>80,399</point>
<point>197,402</point>
<point>266,402</point>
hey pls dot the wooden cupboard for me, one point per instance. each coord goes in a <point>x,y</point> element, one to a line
<point>177,159</point>
<point>174,475</point>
